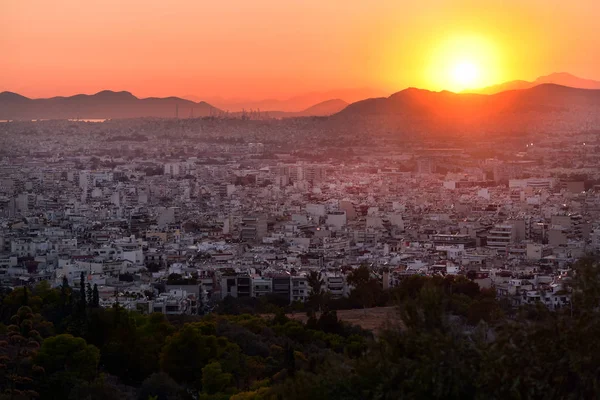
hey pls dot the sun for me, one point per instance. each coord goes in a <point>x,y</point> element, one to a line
<point>464,62</point>
<point>465,74</point>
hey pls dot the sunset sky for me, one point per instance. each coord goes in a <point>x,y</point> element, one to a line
<point>274,48</point>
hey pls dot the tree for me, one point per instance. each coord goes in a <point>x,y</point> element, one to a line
<point>67,362</point>
<point>114,331</point>
<point>366,289</point>
<point>315,299</point>
<point>471,274</point>
<point>263,393</point>
<point>66,352</point>
<point>16,354</point>
<point>151,333</point>
<point>65,292</point>
<point>359,276</point>
<point>82,300</point>
<point>102,388</point>
<point>186,353</point>
<point>161,387</point>
<point>89,295</point>
<point>586,284</point>
<point>214,380</point>
<point>95,297</point>
<point>17,298</point>
<point>289,360</point>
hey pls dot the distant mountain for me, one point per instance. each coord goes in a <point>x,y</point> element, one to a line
<point>559,78</point>
<point>294,104</point>
<point>545,108</point>
<point>322,109</point>
<point>102,105</point>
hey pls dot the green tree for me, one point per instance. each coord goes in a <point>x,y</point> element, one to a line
<point>95,297</point>
<point>186,353</point>
<point>65,293</point>
<point>366,289</point>
<point>161,387</point>
<point>289,360</point>
<point>68,353</point>
<point>17,370</point>
<point>89,295</point>
<point>150,337</point>
<point>67,361</point>
<point>17,298</point>
<point>102,388</point>
<point>317,292</point>
<point>214,380</point>
<point>82,299</point>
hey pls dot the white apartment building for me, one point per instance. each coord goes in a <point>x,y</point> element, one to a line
<point>300,288</point>
<point>501,236</point>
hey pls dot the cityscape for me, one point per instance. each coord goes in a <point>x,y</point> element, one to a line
<point>243,210</point>
<point>299,201</point>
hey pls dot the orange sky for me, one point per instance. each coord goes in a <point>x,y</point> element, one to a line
<point>274,48</point>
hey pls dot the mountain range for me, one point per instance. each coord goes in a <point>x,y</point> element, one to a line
<point>559,78</point>
<point>109,104</point>
<point>322,109</point>
<point>102,105</point>
<point>546,108</point>
<point>295,104</point>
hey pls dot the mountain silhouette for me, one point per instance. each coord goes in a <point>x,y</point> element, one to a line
<point>544,108</point>
<point>295,104</point>
<point>559,78</point>
<point>327,107</point>
<point>322,109</point>
<point>102,105</point>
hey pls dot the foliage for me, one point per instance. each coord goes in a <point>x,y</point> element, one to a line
<point>214,380</point>
<point>65,353</point>
<point>161,386</point>
<point>452,341</point>
<point>317,291</point>
<point>186,353</point>
<point>17,352</point>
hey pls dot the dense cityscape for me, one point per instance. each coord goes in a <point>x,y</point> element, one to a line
<point>285,233</point>
<point>139,206</point>
<point>301,200</point>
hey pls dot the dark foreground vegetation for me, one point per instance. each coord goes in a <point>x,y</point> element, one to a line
<point>452,341</point>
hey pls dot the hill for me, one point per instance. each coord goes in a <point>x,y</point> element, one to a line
<point>324,108</point>
<point>544,108</point>
<point>559,78</point>
<point>294,104</point>
<point>105,104</point>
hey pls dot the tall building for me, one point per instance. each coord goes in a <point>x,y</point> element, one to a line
<point>314,173</point>
<point>425,166</point>
<point>254,228</point>
<point>501,236</point>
